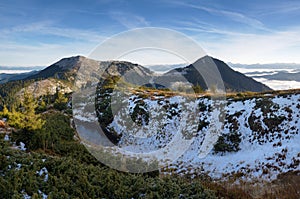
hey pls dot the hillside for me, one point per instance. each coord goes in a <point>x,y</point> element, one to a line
<point>66,75</point>
<point>259,140</point>
<point>258,134</point>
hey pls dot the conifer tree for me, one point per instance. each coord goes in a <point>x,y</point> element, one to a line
<point>4,112</point>
<point>60,101</point>
<point>31,120</point>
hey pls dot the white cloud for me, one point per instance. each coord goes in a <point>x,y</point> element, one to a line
<point>284,7</point>
<point>129,20</point>
<point>203,27</point>
<point>261,45</point>
<point>13,54</point>
<point>241,47</point>
<point>163,46</point>
<point>47,28</point>
<point>234,16</point>
<point>281,46</point>
<point>279,85</point>
<point>16,51</point>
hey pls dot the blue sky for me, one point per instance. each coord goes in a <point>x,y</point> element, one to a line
<point>35,32</point>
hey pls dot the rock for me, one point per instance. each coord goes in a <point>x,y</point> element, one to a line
<point>2,124</point>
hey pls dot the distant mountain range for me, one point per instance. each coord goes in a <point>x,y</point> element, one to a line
<point>67,69</point>
<point>281,75</point>
<point>162,68</point>
<point>267,66</point>
<point>21,67</point>
<point>4,78</point>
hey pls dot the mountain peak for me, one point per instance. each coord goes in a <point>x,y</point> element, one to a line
<point>216,72</point>
<point>70,62</point>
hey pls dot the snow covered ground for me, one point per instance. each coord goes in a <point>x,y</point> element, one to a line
<point>269,143</point>
<point>267,127</point>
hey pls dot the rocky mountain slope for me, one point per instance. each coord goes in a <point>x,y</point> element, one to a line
<point>81,70</point>
<point>81,67</point>
<point>204,68</point>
